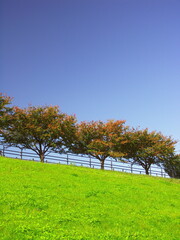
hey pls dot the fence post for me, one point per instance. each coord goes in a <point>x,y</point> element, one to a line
<point>3,150</point>
<point>161,172</point>
<point>131,167</point>
<point>21,152</point>
<point>90,161</point>
<point>67,159</point>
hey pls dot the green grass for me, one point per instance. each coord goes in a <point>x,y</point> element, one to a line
<point>43,201</point>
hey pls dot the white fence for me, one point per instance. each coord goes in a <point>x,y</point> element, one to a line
<point>79,160</point>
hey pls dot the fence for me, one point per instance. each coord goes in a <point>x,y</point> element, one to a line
<point>79,160</point>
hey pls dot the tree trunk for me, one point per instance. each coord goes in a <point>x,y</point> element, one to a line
<point>41,155</point>
<point>147,170</point>
<point>102,164</point>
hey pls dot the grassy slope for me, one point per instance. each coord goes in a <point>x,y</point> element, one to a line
<point>43,201</point>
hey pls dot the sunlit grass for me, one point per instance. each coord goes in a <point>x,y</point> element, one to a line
<point>44,201</point>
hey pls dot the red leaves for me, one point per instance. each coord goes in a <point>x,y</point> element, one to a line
<point>148,148</point>
<point>39,128</point>
<point>46,126</point>
<point>98,138</point>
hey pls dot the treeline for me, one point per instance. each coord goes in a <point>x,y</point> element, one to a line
<point>46,128</point>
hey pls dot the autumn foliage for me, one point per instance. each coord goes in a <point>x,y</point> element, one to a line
<point>98,139</point>
<point>45,128</point>
<point>172,166</point>
<point>147,148</point>
<point>39,129</point>
<point>5,101</point>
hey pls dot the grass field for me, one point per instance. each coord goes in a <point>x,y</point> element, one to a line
<point>43,201</point>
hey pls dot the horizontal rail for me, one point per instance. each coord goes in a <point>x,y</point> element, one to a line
<point>79,160</point>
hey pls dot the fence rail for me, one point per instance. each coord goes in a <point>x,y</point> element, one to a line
<point>79,160</point>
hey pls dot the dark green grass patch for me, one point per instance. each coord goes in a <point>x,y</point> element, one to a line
<point>43,201</point>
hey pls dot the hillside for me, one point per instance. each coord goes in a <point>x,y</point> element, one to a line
<point>48,201</point>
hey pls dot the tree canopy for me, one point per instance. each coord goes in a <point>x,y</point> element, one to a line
<point>147,148</point>
<point>45,128</point>
<point>39,129</point>
<point>172,166</point>
<point>5,101</point>
<point>97,139</point>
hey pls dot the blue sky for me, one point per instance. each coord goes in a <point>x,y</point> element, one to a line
<point>99,59</point>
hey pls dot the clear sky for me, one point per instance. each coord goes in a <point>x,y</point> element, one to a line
<point>98,59</point>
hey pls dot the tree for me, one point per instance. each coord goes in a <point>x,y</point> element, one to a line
<point>147,148</point>
<point>97,139</point>
<point>4,110</point>
<point>39,129</point>
<point>172,166</point>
